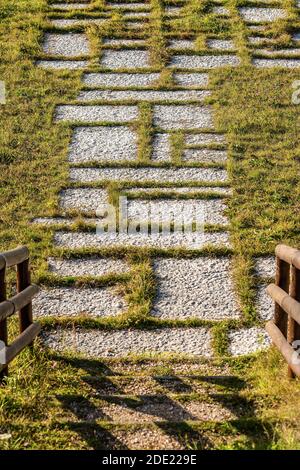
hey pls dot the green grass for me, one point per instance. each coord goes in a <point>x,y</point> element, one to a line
<point>253,107</point>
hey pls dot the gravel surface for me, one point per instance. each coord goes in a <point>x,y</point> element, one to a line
<point>141,95</point>
<point>265,266</point>
<point>181,190</point>
<point>130,5</point>
<point>125,42</point>
<point>120,79</point>
<point>84,199</point>
<point>96,113</point>
<point>62,64</point>
<point>267,63</point>
<point>275,52</point>
<point>185,210</point>
<point>203,61</point>
<point>221,44</point>
<point>136,14</point>
<point>145,410</point>
<point>159,175</point>
<point>66,301</point>
<point>66,23</point>
<point>102,144</point>
<point>256,40</point>
<point>125,59</point>
<point>261,15</point>
<point>191,79</point>
<point>69,6</point>
<point>181,44</point>
<point>220,11</point>
<point>247,341</point>
<point>87,266</point>
<point>195,341</point>
<point>199,139</point>
<point>61,220</point>
<point>161,148</point>
<point>205,156</point>
<point>67,45</point>
<point>173,240</point>
<point>200,288</point>
<point>182,117</point>
<point>264,304</point>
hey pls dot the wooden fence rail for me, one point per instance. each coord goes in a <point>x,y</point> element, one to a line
<point>285,328</point>
<point>21,302</point>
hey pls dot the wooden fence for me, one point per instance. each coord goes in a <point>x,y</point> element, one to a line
<point>21,302</point>
<point>285,328</point>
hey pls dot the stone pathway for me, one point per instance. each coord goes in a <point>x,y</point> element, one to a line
<point>138,136</point>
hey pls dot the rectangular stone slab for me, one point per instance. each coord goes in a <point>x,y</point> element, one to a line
<point>105,113</point>
<point>103,144</point>
<point>182,117</point>
<point>195,288</point>
<point>159,175</point>
<point>195,341</point>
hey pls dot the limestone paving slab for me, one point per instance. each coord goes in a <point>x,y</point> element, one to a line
<point>221,44</point>
<point>102,144</point>
<point>125,59</point>
<point>125,42</point>
<point>65,301</point>
<point>136,14</point>
<point>191,79</point>
<point>282,52</point>
<point>161,150</point>
<point>200,287</point>
<point>248,341</point>
<point>48,221</point>
<point>128,5</point>
<point>83,199</point>
<point>160,175</point>
<point>220,10</point>
<point>205,156</point>
<point>120,79</point>
<point>182,117</point>
<point>62,64</point>
<point>67,45</point>
<point>178,44</point>
<point>194,341</point>
<point>265,266</point>
<point>105,113</point>
<point>204,61</point>
<point>188,240</point>
<point>94,266</point>
<point>143,95</point>
<point>210,211</point>
<point>204,138</point>
<point>63,23</point>
<point>268,63</point>
<point>179,190</point>
<point>261,15</point>
<point>69,6</point>
<point>264,304</point>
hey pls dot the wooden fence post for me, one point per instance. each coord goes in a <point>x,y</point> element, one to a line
<point>3,323</point>
<point>283,281</point>
<point>23,281</point>
<point>293,331</point>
